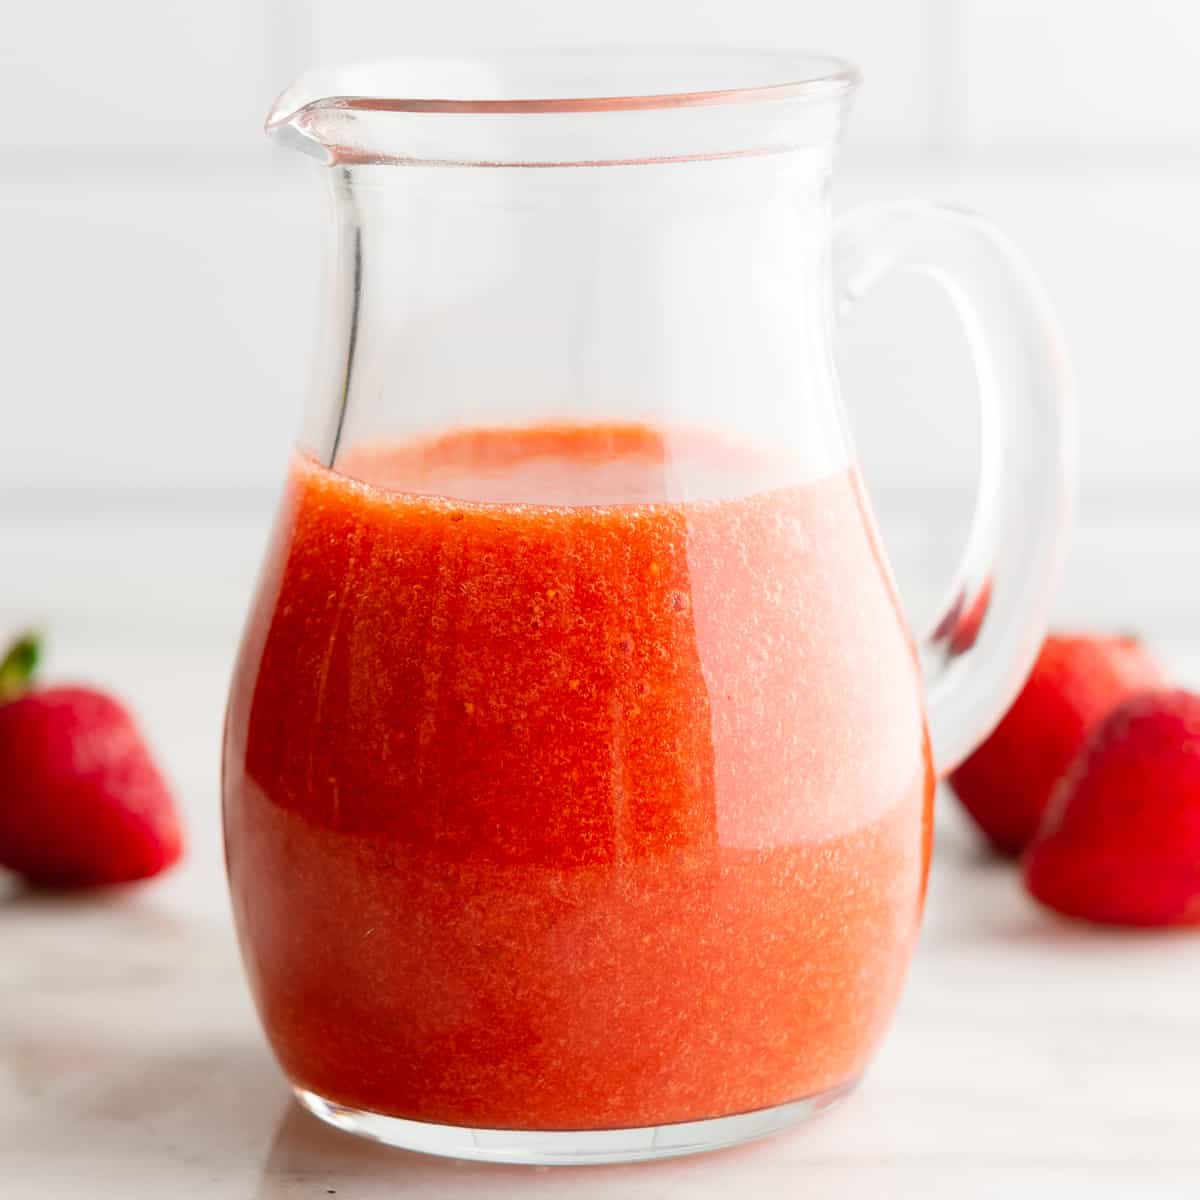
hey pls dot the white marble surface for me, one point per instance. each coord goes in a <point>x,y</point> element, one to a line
<point>1030,1056</point>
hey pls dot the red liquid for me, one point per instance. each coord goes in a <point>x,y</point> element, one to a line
<point>574,814</point>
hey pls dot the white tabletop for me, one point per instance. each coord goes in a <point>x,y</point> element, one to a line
<point>1030,1057</point>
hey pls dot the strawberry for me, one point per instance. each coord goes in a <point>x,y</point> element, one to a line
<point>1077,680</point>
<point>81,801</point>
<point>1121,841</point>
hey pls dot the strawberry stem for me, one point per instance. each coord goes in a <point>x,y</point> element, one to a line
<point>18,665</point>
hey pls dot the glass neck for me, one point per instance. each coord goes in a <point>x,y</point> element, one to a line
<point>690,294</point>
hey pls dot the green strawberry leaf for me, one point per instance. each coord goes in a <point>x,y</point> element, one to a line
<point>18,665</point>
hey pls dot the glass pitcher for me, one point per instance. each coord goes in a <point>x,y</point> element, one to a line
<point>579,762</point>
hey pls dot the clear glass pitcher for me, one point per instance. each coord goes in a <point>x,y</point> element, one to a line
<point>578,765</point>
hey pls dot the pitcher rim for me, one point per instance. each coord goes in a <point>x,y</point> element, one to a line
<point>797,74</point>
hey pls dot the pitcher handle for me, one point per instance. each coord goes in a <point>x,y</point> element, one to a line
<point>991,625</point>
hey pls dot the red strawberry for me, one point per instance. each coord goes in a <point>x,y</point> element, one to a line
<point>81,801</point>
<point>1121,840</point>
<point>1077,680</point>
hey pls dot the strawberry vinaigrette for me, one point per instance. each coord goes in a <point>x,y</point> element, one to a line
<point>575,778</point>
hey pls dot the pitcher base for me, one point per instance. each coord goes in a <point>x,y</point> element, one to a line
<point>571,1147</point>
